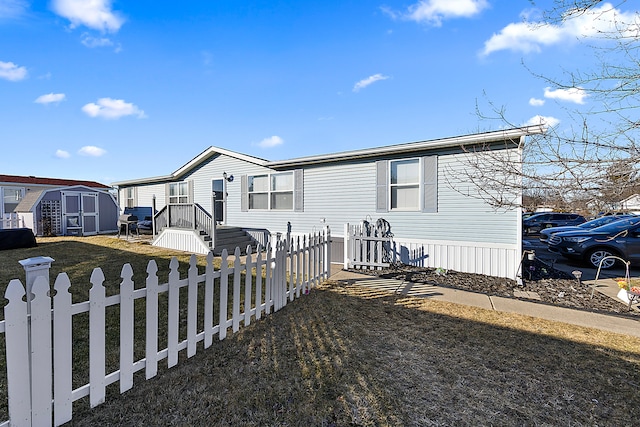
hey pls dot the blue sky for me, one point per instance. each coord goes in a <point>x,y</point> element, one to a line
<point>114,90</point>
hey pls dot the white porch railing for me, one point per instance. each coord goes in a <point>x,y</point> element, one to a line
<point>39,334</point>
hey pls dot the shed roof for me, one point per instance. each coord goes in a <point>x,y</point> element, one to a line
<point>59,182</point>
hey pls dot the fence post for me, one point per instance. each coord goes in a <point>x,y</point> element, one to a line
<point>35,267</point>
<point>327,252</point>
<point>346,246</point>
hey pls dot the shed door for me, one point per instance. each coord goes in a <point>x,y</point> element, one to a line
<point>79,213</point>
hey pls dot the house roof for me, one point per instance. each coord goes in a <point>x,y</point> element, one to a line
<point>412,147</point>
<point>514,134</point>
<point>58,182</point>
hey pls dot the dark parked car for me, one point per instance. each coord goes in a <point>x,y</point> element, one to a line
<point>619,238</point>
<point>544,220</point>
<point>547,232</point>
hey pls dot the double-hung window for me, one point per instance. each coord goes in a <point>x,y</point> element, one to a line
<point>405,184</point>
<point>282,191</point>
<point>259,192</point>
<point>178,193</point>
<point>131,197</point>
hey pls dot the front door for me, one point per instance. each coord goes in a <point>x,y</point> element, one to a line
<point>218,200</point>
<point>79,213</point>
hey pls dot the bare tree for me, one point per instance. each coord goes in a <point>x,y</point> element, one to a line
<point>595,162</point>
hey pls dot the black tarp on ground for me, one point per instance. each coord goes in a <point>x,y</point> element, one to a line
<point>17,238</point>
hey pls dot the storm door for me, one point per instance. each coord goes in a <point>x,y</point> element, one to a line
<point>218,199</point>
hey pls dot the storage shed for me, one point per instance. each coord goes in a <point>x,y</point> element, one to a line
<point>69,211</point>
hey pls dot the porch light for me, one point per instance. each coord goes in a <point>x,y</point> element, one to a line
<point>228,178</point>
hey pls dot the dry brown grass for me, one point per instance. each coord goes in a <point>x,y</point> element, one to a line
<point>348,355</point>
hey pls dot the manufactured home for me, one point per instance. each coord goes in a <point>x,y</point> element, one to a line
<point>419,189</point>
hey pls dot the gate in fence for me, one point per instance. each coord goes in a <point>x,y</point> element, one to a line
<point>40,337</point>
<point>367,245</point>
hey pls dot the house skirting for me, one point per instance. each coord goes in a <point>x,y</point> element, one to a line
<point>181,240</point>
<point>491,259</point>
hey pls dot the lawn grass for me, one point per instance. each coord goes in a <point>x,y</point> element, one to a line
<point>349,355</point>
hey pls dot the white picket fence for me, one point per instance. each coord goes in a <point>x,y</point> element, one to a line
<point>39,334</point>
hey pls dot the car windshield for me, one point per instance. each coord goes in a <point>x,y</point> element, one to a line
<point>619,225</point>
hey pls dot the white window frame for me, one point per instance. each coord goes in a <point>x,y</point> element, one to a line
<point>271,192</point>
<point>251,191</point>
<point>181,196</point>
<point>416,185</point>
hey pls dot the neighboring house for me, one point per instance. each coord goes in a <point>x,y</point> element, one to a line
<point>51,206</point>
<point>631,204</point>
<point>417,187</point>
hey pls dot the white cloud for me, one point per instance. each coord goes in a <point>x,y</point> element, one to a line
<point>108,108</point>
<point>92,151</point>
<point>95,14</point>
<point>369,80</point>
<point>435,11</point>
<point>61,154</point>
<point>543,120</point>
<point>90,41</point>
<point>535,102</point>
<point>270,142</point>
<point>529,37</point>
<point>50,98</point>
<point>10,9</point>
<point>10,71</point>
<point>574,94</point>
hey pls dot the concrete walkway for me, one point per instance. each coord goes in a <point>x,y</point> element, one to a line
<point>612,323</point>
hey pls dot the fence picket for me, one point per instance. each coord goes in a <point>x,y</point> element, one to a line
<point>97,304</point>
<point>174,313</point>
<point>236,291</point>
<point>151,340</point>
<point>224,295</point>
<point>126,328</point>
<point>247,288</point>
<point>258,283</point>
<point>208,301</point>
<point>62,345</point>
<point>192,306</point>
<point>267,282</point>
<point>17,342</point>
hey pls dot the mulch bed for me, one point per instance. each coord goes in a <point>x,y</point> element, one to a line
<point>552,285</point>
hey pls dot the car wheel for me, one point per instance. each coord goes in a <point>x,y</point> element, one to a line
<point>597,255</point>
